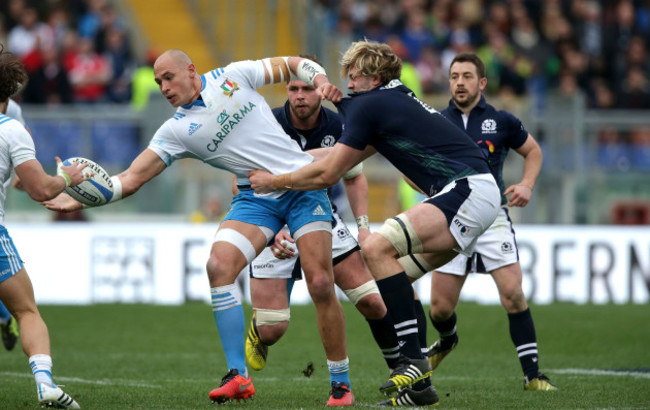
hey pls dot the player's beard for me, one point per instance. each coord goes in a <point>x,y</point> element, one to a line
<point>304,113</point>
<point>467,101</point>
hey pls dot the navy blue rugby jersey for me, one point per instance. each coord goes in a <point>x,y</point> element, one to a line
<point>414,137</point>
<point>324,135</point>
<point>494,131</point>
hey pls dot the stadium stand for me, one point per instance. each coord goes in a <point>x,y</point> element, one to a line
<point>56,137</point>
<point>572,70</point>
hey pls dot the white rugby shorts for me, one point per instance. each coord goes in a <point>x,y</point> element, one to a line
<point>471,205</point>
<point>496,248</point>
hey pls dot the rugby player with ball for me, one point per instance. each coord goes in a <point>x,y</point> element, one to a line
<point>223,121</point>
<point>16,289</point>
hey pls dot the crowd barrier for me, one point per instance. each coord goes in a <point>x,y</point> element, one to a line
<point>164,263</point>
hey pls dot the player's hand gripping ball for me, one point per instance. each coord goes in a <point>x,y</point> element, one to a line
<point>97,189</point>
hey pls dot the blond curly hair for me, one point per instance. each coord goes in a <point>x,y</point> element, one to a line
<point>372,59</point>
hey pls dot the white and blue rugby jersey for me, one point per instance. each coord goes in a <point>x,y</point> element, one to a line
<point>16,147</point>
<point>14,111</point>
<point>230,127</point>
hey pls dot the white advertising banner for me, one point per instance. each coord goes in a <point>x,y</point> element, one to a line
<point>84,263</point>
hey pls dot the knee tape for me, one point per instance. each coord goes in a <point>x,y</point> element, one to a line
<point>399,232</point>
<point>415,266</point>
<point>270,317</point>
<point>360,292</point>
<point>238,240</point>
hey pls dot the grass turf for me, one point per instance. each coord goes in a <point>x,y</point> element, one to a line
<point>169,357</point>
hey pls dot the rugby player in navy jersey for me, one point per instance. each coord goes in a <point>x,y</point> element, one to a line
<point>273,272</point>
<point>496,250</point>
<point>384,116</point>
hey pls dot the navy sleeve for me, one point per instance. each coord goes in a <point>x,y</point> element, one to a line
<point>357,133</point>
<point>517,134</point>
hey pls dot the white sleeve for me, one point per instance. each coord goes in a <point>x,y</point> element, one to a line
<point>166,145</point>
<point>251,72</point>
<point>14,111</point>
<point>21,146</point>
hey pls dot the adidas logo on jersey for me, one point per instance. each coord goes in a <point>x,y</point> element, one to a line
<point>194,127</point>
<point>318,211</point>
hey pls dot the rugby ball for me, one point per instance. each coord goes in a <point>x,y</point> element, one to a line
<point>97,189</point>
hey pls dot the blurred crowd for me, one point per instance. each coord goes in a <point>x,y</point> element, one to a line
<point>530,47</point>
<point>79,50</point>
<point>75,51</point>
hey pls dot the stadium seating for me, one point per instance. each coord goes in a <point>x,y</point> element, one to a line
<point>114,144</point>
<point>614,157</point>
<point>62,138</point>
<point>641,158</point>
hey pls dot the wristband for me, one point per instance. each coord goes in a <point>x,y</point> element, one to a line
<point>60,172</point>
<point>117,189</point>
<point>282,181</point>
<point>362,222</point>
<point>65,177</point>
<point>308,70</point>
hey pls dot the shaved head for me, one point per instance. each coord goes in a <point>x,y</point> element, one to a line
<point>176,76</point>
<point>174,56</point>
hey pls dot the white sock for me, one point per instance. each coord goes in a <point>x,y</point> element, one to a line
<point>41,365</point>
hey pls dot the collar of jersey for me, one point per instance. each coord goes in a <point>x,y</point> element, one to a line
<point>363,92</point>
<point>197,102</point>
<point>400,87</point>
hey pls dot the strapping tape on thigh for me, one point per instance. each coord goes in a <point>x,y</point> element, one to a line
<point>399,232</point>
<point>238,240</point>
<point>415,266</point>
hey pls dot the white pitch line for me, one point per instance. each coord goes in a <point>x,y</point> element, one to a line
<point>599,372</point>
<point>139,383</point>
<point>106,382</point>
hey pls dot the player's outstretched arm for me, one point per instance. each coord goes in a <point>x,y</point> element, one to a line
<point>317,175</point>
<point>40,186</point>
<point>143,168</point>
<point>319,153</point>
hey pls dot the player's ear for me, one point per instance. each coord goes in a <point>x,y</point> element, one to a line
<point>192,69</point>
<point>482,83</point>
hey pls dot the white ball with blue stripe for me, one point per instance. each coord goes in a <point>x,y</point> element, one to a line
<point>97,189</point>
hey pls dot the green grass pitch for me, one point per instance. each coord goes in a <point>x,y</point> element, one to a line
<point>169,357</point>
